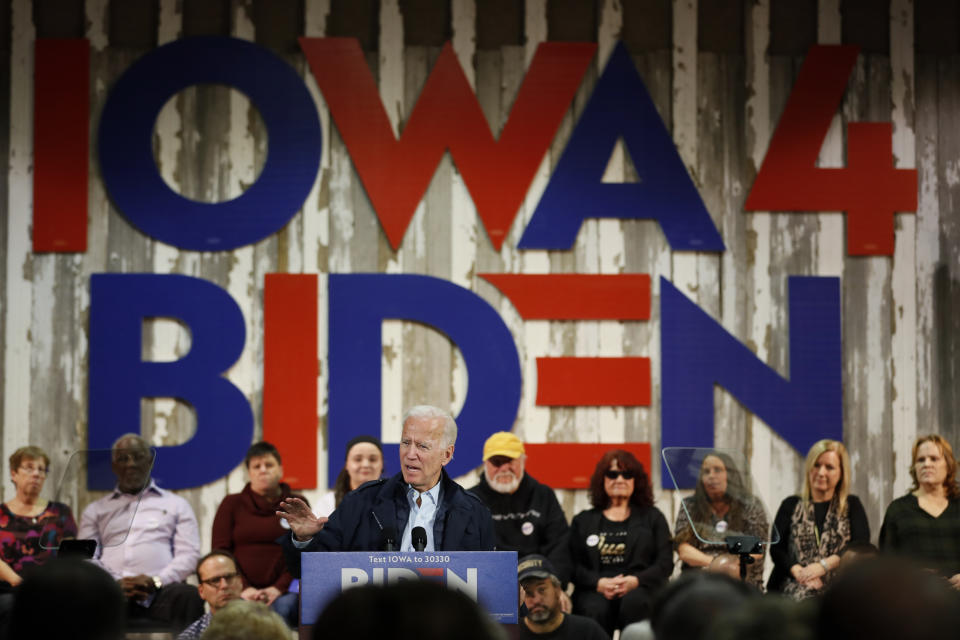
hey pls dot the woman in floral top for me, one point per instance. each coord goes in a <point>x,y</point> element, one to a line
<point>30,527</point>
<point>721,506</point>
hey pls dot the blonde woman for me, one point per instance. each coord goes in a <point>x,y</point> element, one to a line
<point>925,524</point>
<point>817,526</point>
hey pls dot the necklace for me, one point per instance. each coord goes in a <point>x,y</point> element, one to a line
<point>26,510</point>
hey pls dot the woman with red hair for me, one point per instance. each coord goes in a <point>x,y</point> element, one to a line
<point>620,550</point>
<point>925,524</point>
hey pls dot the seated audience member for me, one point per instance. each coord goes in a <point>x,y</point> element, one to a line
<point>687,606</point>
<point>384,513</point>
<point>721,502</point>
<point>540,591</point>
<point>245,620</point>
<point>888,599</point>
<point>218,581</point>
<point>30,527</point>
<point>620,550</point>
<point>405,610</point>
<point>364,463</point>
<point>527,517</point>
<point>162,546</point>
<point>246,524</point>
<point>67,598</point>
<point>925,524</point>
<point>817,527</point>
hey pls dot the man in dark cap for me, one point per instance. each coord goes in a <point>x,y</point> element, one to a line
<point>541,591</point>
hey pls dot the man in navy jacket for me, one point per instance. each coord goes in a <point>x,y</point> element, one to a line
<point>382,514</point>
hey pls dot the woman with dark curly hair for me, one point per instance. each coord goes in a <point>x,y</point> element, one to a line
<point>723,506</point>
<point>924,525</point>
<point>620,550</point>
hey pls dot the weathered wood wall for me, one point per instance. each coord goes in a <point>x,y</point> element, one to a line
<point>719,73</point>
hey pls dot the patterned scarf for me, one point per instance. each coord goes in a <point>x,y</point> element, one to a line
<point>804,549</point>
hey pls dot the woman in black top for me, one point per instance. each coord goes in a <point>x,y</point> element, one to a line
<point>817,527</point>
<point>620,550</point>
<point>924,525</point>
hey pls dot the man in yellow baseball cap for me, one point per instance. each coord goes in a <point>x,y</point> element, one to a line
<point>527,517</point>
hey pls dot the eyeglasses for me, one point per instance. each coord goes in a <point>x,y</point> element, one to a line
<point>26,468</point>
<point>215,582</point>
<point>613,474</point>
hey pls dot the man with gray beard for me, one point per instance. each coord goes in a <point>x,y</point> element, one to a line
<point>527,517</point>
<point>541,594</point>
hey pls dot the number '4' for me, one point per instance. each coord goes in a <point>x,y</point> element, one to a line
<point>869,189</point>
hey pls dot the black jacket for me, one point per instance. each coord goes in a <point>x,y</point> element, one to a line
<point>651,559</point>
<point>529,520</point>
<point>463,523</point>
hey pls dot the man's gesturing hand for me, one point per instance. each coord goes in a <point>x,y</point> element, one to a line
<point>302,522</point>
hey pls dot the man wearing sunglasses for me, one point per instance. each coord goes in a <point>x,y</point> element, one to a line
<point>219,583</point>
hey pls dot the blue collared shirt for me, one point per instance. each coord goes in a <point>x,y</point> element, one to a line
<point>423,516</point>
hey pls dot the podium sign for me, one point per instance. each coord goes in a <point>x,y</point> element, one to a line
<point>488,577</point>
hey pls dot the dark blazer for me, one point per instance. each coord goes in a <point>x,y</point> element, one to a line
<point>651,559</point>
<point>365,515</point>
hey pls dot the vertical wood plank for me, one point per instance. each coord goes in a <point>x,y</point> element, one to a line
<point>533,421</point>
<point>831,246</point>
<point>904,277</point>
<point>609,340</point>
<point>16,357</point>
<point>867,337</point>
<point>316,245</point>
<point>928,248</point>
<point>392,92</point>
<point>464,232</point>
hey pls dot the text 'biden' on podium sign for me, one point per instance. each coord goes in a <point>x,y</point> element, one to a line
<point>487,577</point>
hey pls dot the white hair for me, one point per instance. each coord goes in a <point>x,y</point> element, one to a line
<point>428,411</point>
<point>246,620</point>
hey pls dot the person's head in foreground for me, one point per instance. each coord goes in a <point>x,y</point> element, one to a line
<point>406,610</point>
<point>772,617</point>
<point>68,598</point>
<point>687,606</point>
<point>888,598</point>
<point>246,620</point>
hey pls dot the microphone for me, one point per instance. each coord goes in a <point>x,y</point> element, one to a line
<point>389,535</point>
<point>389,539</point>
<point>418,537</point>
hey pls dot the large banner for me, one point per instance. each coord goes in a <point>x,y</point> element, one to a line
<point>696,353</point>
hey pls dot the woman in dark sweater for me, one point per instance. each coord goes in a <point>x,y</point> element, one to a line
<point>620,550</point>
<point>247,525</point>
<point>924,525</point>
<point>817,527</point>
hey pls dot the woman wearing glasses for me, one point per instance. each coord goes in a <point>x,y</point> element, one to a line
<point>30,527</point>
<point>620,550</point>
<point>720,506</point>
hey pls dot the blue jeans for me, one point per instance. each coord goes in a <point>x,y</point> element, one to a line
<point>288,608</point>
